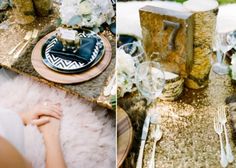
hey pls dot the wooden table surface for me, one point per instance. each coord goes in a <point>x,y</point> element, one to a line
<point>124,135</point>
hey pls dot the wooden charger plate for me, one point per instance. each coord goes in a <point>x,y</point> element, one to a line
<point>44,71</point>
<point>124,135</point>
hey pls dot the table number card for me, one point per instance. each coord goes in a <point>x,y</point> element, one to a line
<point>168,34</point>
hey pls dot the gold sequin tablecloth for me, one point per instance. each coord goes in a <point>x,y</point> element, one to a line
<point>189,140</point>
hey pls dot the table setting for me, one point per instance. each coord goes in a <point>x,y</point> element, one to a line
<point>181,108</point>
<point>220,127</point>
<point>85,63</point>
<point>70,49</point>
<point>60,56</point>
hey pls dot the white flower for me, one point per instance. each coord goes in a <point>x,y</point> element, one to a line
<point>124,84</point>
<point>84,8</point>
<point>66,11</point>
<point>233,59</point>
<point>93,12</point>
<point>125,72</point>
<point>125,63</point>
<point>233,67</point>
<point>233,72</point>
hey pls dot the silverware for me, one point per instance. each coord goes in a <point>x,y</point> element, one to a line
<point>35,33</point>
<point>33,36</point>
<point>223,120</point>
<point>219,129</point>
<point>26,38</point>
<point>143,140</point>
<point>157,136</point>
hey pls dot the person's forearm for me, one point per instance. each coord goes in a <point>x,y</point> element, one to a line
<point>54,155</point>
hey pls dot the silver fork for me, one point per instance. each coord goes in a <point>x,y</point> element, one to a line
<point>33,35</point>
<point>26,38</point>
<point>219,129</point>
<point>223,120</point>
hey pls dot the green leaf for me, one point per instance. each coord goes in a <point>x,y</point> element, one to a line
<point>58,22</point>
<point>75,20</point>
<point>113,102</point>
<point>82,1</point>
<point>11,3</point>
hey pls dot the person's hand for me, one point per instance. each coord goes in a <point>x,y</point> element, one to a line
<point>51,129</point>
<point>54,154</point>
<point>34,115</point>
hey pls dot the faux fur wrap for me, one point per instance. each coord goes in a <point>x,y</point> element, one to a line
<point>87,131</point>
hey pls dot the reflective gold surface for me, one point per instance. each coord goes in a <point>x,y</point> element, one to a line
<point>188,138</point>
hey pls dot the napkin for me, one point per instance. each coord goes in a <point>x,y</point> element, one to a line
<point>124,39</point>
<point>83,54</point>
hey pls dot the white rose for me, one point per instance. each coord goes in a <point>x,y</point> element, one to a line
<point>233,59</point>
<point>124,84</point>
<point>93,12</point>
<point>125,63</point>
<point>68,10</point>
<point>233,69</point>
<point>125,72</point>
<point>85,8</point>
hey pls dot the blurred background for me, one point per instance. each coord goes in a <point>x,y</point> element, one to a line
<point>220,1</point>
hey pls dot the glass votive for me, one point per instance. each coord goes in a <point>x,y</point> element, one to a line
<point>134,49</point>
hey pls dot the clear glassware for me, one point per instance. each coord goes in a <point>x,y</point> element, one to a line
<point>223,43</point>
<point>232,38</point>
<point>135,50</point>
<point>150,80</point>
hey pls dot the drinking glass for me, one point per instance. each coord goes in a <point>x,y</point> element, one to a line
<point>135,50</point>
<point>232,38</point>
<point>150,80</point>
<point>224,42</point>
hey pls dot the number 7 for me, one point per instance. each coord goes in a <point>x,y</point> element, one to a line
<point>173,35</point>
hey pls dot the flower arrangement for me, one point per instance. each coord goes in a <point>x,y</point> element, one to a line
<point>86,13</point>
<point>125,73</point>
<point>233,67</point>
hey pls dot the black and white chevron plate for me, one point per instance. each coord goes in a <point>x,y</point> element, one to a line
<point>67,66</point>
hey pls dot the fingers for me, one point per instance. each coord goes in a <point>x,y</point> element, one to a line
<point>49,111</point>
<point>41,121</point>
<point>47,108</point>
<point>54,108</point>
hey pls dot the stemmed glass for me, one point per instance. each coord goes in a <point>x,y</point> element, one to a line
<point>135,50</point>
<point>224,42</point>
<point>150,80</point>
